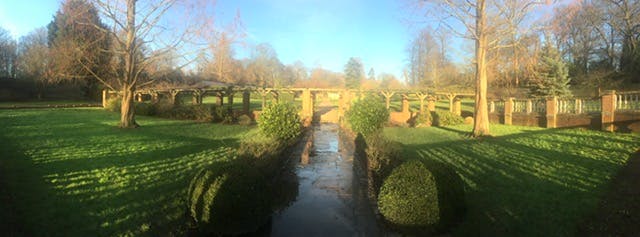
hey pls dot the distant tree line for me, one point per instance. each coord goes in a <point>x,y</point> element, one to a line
<point>596,42</point>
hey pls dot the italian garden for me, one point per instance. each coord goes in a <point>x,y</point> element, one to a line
<point>105,133</point>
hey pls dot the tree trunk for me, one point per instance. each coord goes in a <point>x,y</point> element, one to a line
<point>481,116</point>
<point>127,109</point>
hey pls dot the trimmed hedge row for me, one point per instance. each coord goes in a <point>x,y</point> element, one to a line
<point>164,109</point>
<point>422,197</point>
<point>239,196</point>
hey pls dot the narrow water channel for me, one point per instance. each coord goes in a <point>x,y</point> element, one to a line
<point>331,197</point>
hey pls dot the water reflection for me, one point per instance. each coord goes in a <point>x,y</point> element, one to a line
<point>331,200</point>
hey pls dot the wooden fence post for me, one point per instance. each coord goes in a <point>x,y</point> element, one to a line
<point>608,110</point>
<point>552,112</point>
<point>529,107</point>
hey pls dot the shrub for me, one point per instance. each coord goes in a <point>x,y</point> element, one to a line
<point>382,156</point>
<point>446,118</point>
<point>367,116</point>
<point>423,119</point>
<point>422,197</point>
<point>146,109</point>
<point>222,114</point>
<point>245,120</point>
<point>280,121</point>
<point>229,199</point>
<point>202,112</point>
<point>163,108</point>
<point>113,105</point>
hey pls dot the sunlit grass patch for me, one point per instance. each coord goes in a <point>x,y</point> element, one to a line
<point>74,173</point>
<point>524,181</point>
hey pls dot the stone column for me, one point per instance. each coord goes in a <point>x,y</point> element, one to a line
<point>451,97</point>
<point>155,97</point>
<point>344,103</point>
<point>230,95</point>
<point>508,111</point>
<point>307,104</point>
<point>552,112</point>
<point>246,101</point>
<point>421,96</point>
<point>578,106</point>
<point>105,97</point>
<point>173,94</point>
<point>457,108</point>
<point>387,95</point>
<point>492,107</point>
<point>219,99</point>
<point>405,103</point>
<point>431,104</point>
<point>529,106</point>
<point>608,110</point>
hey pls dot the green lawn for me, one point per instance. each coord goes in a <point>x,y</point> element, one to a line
<point>48,103</point>
<point>525,181</point>
<point>72,172</point>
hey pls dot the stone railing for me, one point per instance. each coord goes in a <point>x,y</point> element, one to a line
<point>561,112</point>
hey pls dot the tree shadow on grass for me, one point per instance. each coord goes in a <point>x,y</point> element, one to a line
<point>525,184</point>
<point>75,175</point>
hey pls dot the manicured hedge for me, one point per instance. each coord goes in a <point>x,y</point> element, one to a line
<point>420,197</point>
<point>229,199</point>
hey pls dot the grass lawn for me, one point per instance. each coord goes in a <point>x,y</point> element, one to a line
<point>46,103</point>
<point>72,172</point>
<point>525,181</point>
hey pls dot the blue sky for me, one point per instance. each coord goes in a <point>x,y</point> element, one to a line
<point>317,32</point>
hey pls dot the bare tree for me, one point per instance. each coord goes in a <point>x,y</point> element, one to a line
<point>486,23</point>
<point>7,54</point>
<point>34,58</point>
<point>222,64</point>
<point>141,37</point>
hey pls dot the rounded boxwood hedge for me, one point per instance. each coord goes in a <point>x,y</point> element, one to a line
<point>421,197</point>
<point>367,116</point>
<point>280,121</point>
<point>229,199</point>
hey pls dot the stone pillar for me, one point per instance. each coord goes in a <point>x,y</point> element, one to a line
<point>451,97</point>
<point>344,103</point>
<point>431,104</point>
<point>492,107</point>
<point>230,95</point>
<point>405,103</point>
<point>173,94</point>
<point>307,104</point>
<point>457,110</point>
<point>387,96</point>
<point>421,96</point>
<point>197,96</point>
<point>508,111</point>
<point>529,106</point>
<point>155,97</point>
<point>552,112</point>
<point>246,101</point>
<point>608,110</point>
<point>219,99</point>
<point>105,97</point>
<point>578,106</point>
